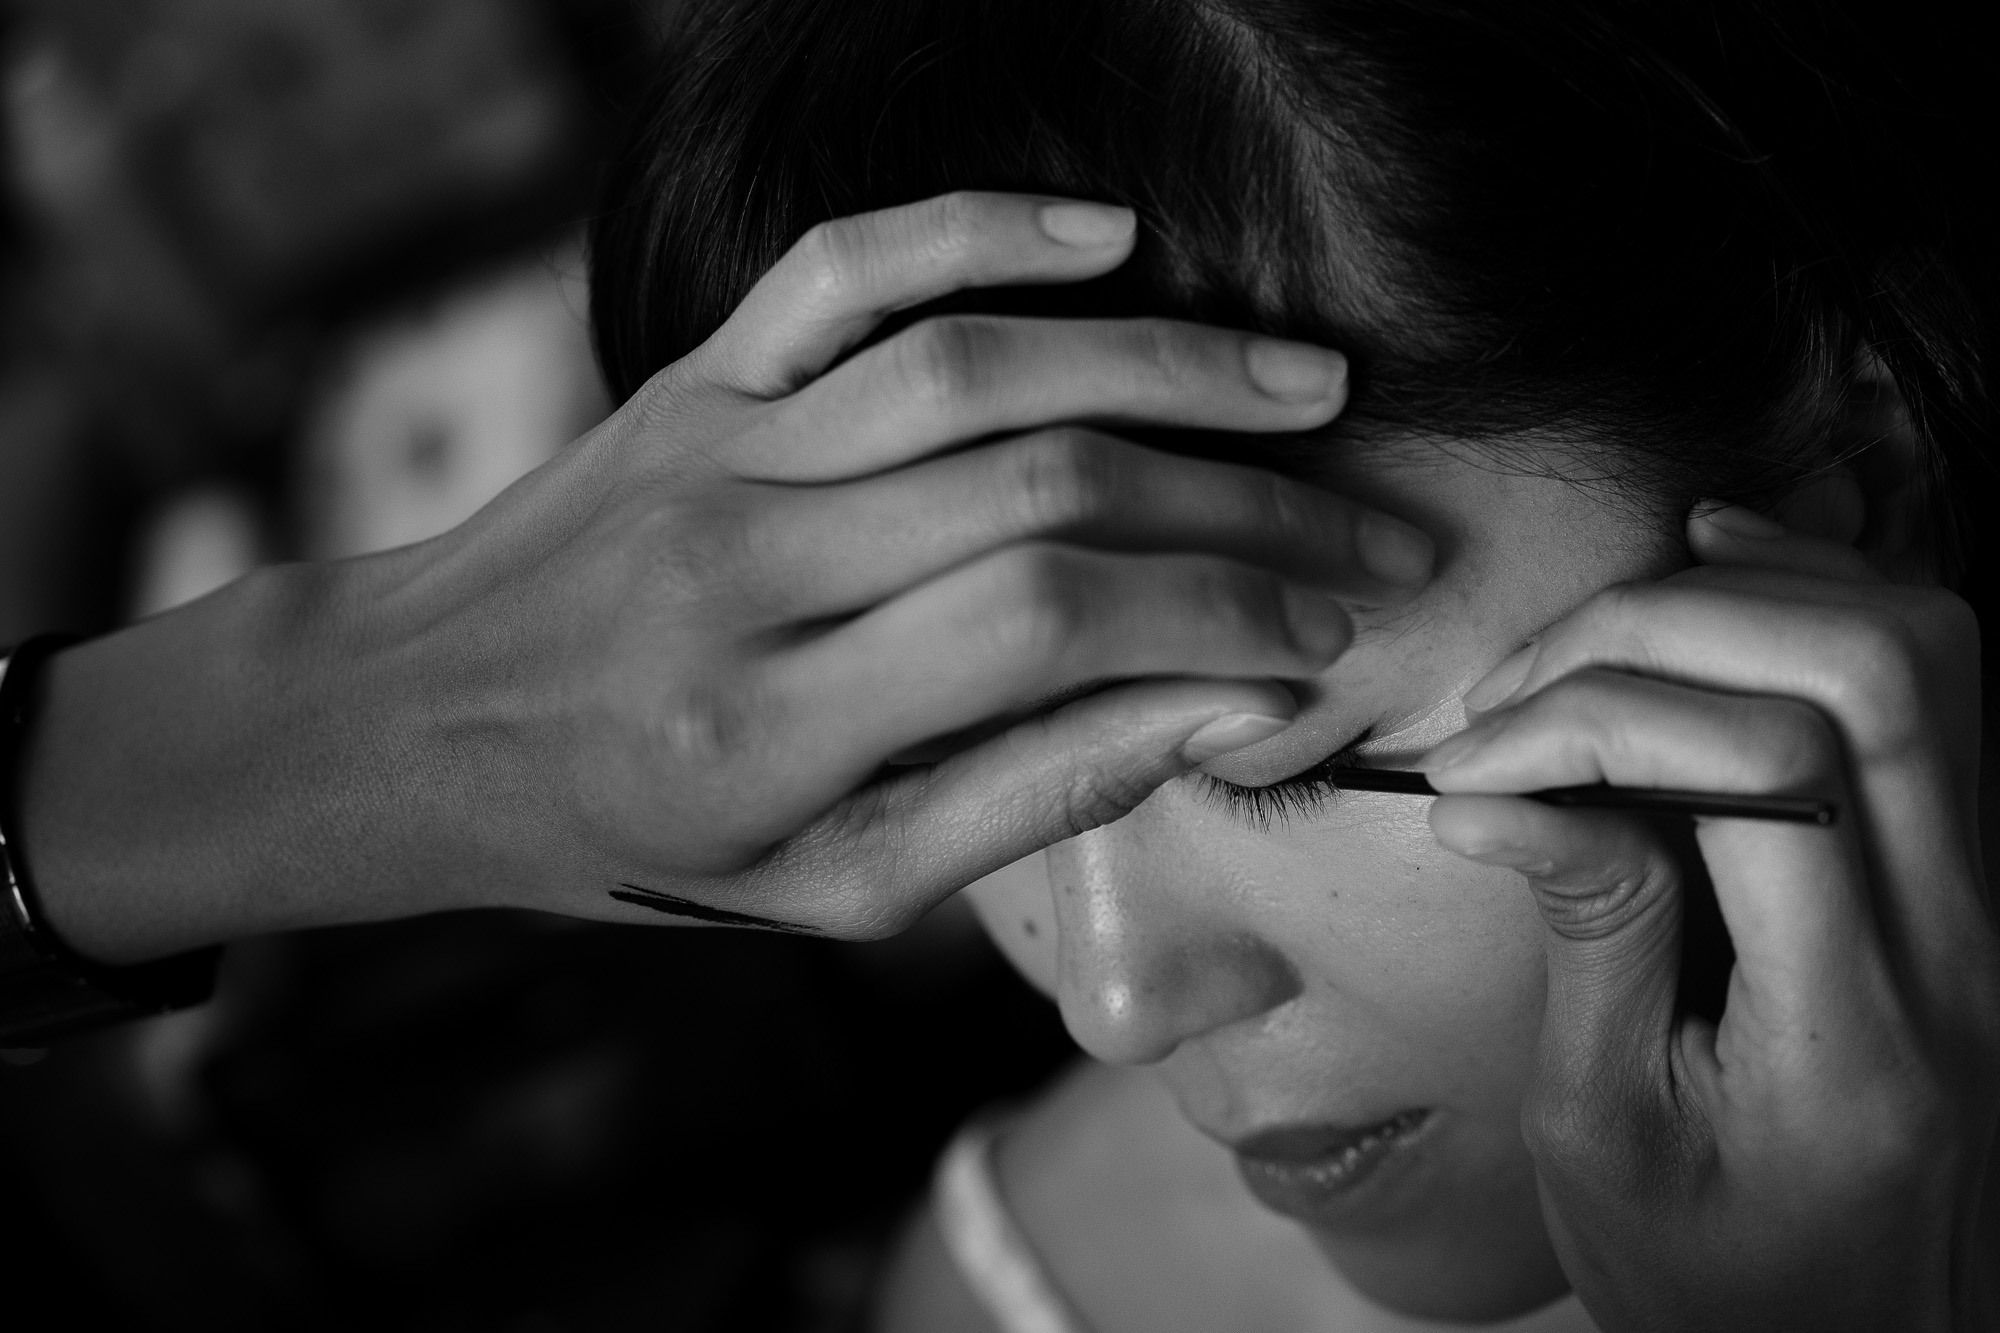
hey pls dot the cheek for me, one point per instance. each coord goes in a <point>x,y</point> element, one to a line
<point>1014,906</point>
<point>1422,974</point>
<point>1452,962</point>
<point>1431,954</point>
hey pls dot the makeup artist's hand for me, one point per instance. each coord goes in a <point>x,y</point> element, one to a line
<point>674,670</point>
<point>1813,1160</point>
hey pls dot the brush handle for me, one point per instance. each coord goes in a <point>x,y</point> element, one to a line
<point>1602,796</point>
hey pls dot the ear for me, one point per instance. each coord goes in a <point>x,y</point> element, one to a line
<point>1872,499</point>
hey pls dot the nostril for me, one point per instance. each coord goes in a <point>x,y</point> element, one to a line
<point>1135,1005</point>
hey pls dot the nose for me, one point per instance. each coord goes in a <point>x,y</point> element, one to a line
<point>1149,954</point>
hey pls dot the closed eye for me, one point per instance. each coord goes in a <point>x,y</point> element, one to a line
<point>1303,795</point>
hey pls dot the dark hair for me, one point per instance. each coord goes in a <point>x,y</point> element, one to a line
<point>1662,228</point>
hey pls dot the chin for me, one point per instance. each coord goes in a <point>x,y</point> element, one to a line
<point>1474,1275</point>
<point>1460,1237</point>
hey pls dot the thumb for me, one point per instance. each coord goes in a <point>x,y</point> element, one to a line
<point>1059,774</point>
<point>1604,1113</point>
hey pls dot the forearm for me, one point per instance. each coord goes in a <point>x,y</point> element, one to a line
<point>223,770</point>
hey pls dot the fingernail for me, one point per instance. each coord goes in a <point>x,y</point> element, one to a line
<point>1395,552</point>
<point>1088,226</point>
<point>1497,686</point>
<point>1450,751</point>
<point>1234,732</point>
<point>1742,521</point>
<point>1293,372</point>
<point>1485,846</point>
<point>1320,625</point>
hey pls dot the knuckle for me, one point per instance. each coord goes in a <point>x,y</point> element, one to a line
<point>717,723</point>
<point>1622,605</point>
<point>1044,601</point>
<point>1877,677</point>
<point>1160,350</point>
<point>831,258</point>
<point>1605,901</point>
<point>941,360</point>
<point>952,223</point>
<point>1064,477</point>
<point>1880,650</point>
<point>866,879</point>
<point>1243,603</point>
<point>1946,622</point>
<point>1250,601</point>
<point>1092,798</point>
<point>1286,510</point>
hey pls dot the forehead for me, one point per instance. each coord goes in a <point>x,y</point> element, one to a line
<point>1521,541</point>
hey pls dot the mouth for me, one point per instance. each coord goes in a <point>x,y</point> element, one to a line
<point>1311,1172</point>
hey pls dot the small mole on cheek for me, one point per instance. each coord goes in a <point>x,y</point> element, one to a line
<point>1028,924</point>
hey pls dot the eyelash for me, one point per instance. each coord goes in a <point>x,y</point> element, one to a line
<point>1304,795</point>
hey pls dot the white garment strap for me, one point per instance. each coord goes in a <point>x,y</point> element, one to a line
<point>992,1254</point>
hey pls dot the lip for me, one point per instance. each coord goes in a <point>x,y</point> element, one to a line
<point>1316,1172</point>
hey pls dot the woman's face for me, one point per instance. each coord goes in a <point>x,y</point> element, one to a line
<point>1349,1007</point>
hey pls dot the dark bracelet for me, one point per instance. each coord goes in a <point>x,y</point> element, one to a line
<point>46,989</point>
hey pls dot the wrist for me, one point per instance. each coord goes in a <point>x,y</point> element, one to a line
<point>215,772</point>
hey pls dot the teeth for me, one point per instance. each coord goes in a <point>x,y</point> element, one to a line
<point>1349,1158</point>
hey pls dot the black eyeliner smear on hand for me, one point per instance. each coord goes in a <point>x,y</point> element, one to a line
<point>672,906</point>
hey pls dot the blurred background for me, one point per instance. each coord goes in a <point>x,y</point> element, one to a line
<point>303,278</point>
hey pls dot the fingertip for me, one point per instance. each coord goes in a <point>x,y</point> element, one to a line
<point>1720,533</point>
<point>1475,826</point>
<point>1395,552</point>
<point>1297,374</point>
<point>1502,683</point>
<point>1319,624</point>
<point>1084,225</point>
<point>1230,733</point>
<point>1735,520</point>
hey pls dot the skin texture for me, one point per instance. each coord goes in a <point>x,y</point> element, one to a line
<point>660,678</point>
<point>1106,1145</point>
<point>1815,1161</point>
<point>674,663</point>
<point>1343,967</point>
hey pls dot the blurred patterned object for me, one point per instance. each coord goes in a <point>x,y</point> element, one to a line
<point>202,197</point>
<point>287,144</point>
<point>424,415</point>
<point>298,277</point>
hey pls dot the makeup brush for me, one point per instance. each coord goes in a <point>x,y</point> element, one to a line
<point>1602,796</point>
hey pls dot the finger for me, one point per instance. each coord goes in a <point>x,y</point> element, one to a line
<point>1793,896</point>
<point>1084,488</point>
<point>936,829</point>
<point>1723,534</point>
<point>1894,668</point>
<point>842,278</point>
<point>1031,623</point>
<point>1601,1109</point>
<point>1862,653</point>
<point>957,378</point>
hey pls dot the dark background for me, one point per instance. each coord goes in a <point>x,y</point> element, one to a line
<point>283,278</point>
